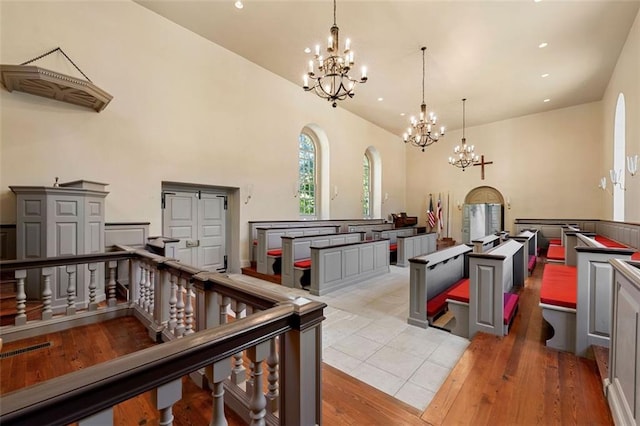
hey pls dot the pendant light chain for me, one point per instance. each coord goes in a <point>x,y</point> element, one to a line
<point>423,72</point>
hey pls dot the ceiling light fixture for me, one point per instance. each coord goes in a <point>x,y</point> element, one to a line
<point>547,100</point>
<point>332,81</point>
<point>463,153</point>
<point>420,132</point>
<point>238,4</point>
<point>545,75</point>
<point>543,45</point>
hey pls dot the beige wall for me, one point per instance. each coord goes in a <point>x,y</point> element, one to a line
<point>625,80</point>
<point>533,166</point>
<point>184,110</point>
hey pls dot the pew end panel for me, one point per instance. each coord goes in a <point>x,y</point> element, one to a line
<point>622,389</point>
<point>595,295</point>
<point>563,323</point>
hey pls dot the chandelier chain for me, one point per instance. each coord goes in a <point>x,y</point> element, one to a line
<point>334,13</point>
<point>423,72</point>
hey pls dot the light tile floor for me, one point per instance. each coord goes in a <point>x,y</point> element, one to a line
<point>366,335</point>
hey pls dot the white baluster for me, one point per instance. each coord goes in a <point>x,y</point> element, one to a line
<point>71,290</point>
<point>216,374</point>
<point>173,300</point>
<point>21,297</point>
<point>273,391</point>
<point>147,292</point>
<point>111,286</point>
<point>163,398</point>
<point>224,307</point>
<point>238,374</point>
<point>142,285</point>
<point>258,402</point>
<point>47,313</point>
<point>179,332</point>
<point>188,310</point>
<point>93,305</point>
<point>152,288</point>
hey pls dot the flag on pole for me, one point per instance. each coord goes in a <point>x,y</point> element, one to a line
<point>440,221</point>
<point>431,217</point>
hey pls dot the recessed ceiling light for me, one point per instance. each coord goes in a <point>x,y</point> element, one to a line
<point>543,44</point>
<point>547,100</point>
<point>238,4</point>
<point>380,99</point>
<point>537,1</point>
<point>307,50</point>
<point>402,114</point>
<point>545,75</point>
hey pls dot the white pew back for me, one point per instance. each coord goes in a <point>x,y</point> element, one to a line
<point>413,246</point>
<point>485,243</point>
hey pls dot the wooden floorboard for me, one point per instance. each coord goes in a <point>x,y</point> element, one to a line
<point>513,380</point>
<point>517,380</point>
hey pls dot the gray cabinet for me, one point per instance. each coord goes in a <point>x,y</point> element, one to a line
<point>62,220</point>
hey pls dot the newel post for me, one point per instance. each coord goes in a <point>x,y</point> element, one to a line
<point>301,366</point>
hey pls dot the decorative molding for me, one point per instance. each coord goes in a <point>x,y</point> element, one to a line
<point>50,84</point>
<point>484,195</point>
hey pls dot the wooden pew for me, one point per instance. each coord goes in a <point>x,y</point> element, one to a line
<point>488,304</point>
<point>485,243</point>
<point>392,235</point>
<point>270,239</point>
<point>341,265</point>
<point>430,277</point>
<point>296,254</point>
<point>621,387</point>
<point>368,228</point>
<point>529,239</point>
<point>595,292</point>
<point>342,223</point>
<point>415,245</point>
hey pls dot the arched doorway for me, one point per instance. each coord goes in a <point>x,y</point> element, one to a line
<point>482,213</point>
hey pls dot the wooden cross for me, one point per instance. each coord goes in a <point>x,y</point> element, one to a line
<point>482,164</point>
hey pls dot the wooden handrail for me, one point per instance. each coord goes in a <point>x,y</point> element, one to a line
<point>12,265</point>
<point>80,394</point>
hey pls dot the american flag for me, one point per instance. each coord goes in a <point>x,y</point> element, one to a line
<point>440,221</point>
<point>431,217</point>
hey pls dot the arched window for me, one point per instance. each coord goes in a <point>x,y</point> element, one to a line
<point>366,186</point>
<point>307,176</point>
<point>619,148</point>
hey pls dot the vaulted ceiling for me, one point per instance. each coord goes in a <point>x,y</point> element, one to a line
<point>485,51</point>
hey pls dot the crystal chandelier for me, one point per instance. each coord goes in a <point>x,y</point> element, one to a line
<point>332,80</point>
<point>463,154</point>
<point>420,132</point>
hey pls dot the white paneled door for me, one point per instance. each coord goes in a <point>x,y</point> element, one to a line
<point>198,220</point>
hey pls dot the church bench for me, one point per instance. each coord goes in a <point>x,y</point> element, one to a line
<point>527,238</point>
<point>487,302</point>
<point>296,255</point>
<point>341,223</point>
<point>413,246</point>
<point>558,300</point>
<point>485,243</point>
<point>595,290</point>
<point>369,228</point>
<point>339,266</point>
<point>432,274</point>
<point>392,235</point>
<point>270,245</point>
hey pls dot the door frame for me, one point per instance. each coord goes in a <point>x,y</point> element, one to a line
<point>232,231</point>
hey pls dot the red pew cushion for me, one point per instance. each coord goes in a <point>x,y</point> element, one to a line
<point>559,286</point>
<point>532,262</point>
<point>608,242</point>
<point>510,304</point>
<point>555,241</point>
<point>635,256</point>
<point>436,304</point>
<point>274,252</point>
<point>460,291</point>
<point>305,263</point>
<point>555,252</point>
<point>255,242</point>
<point>393,247</point>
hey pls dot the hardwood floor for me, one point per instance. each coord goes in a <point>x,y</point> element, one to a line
<point>513,380</point>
